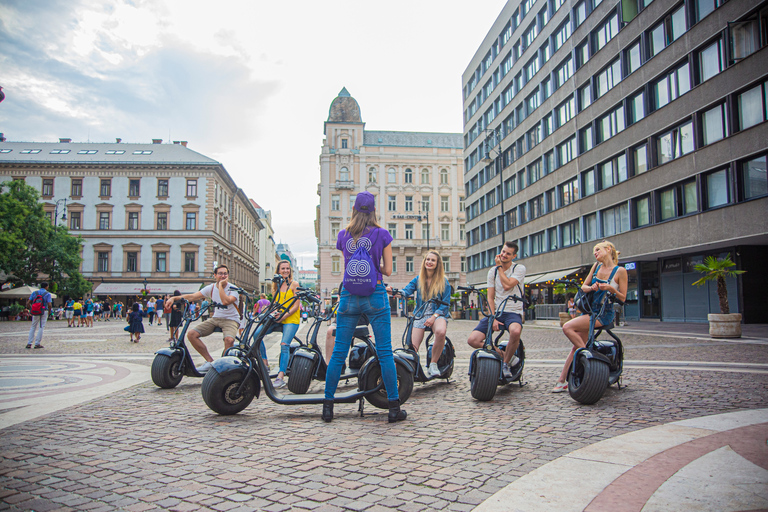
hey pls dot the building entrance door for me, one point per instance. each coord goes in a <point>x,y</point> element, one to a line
<point>649,286</point>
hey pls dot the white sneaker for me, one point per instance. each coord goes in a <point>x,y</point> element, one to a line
<point>506,371</point>
<point>434,371</point>
<point>514,362</point>
<point>205,367</point>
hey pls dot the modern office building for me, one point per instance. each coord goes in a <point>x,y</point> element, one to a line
<point>417,179</point>
<point>638,121</point>
<point>155,215</point>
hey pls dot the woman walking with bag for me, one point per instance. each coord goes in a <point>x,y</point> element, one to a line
<point>364,232</point>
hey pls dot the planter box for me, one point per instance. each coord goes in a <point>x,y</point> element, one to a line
<point>725,326</point>
<point>564,317</point>
<point>457,315</point>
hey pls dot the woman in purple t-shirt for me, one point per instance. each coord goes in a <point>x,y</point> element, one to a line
<point>364,230</point>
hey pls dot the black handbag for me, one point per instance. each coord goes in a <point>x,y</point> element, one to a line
<point>583,301</point>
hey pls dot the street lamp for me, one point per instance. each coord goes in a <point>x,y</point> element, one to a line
<point>56,211</point>
<point>494,144</point>
<point>145,286</point>
<point>426,215</point>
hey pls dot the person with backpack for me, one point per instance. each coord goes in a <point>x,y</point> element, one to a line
<point>69,312</point>
<point>367,249</point>
<point>39,304</point>
<point>288,321</point>
<point>135,323</point>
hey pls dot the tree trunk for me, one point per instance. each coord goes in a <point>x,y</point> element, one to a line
<point>722,294</point>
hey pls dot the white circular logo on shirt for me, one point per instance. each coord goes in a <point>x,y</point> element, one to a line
<point>358,268</point>
<point>361,242</point>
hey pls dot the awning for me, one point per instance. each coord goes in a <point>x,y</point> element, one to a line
<point>529,279</point>
<point>22,292</point>
<point>551,276</point>
<point>152,288</point>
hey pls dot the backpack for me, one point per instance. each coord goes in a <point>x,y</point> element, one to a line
<point>38,305</point>
<point>361,272</point>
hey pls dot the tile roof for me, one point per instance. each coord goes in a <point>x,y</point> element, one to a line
<point>160,153</point>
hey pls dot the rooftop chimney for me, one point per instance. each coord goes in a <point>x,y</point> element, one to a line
<point>157,141</point>
<point>118,140</point>
<point>177,142</point>
<point>2,137</point>
<point>184,143</point>
<point>65,140</point>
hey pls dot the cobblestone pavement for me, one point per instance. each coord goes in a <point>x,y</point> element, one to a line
<point>143,448</point>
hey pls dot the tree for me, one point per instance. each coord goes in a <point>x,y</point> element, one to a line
<point>717,269</point>
<point>31,245</point>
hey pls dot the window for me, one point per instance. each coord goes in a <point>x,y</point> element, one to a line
<point>133,220</point>
<point>704,7</point>
<point>671,86</point>
<point>392,228</point>
<point>582,54</point>
<point>536,207</point>
<point>675,143</point>
<point>409,203</point>
<point>103,220</point>
<point>343,174</point>
<point>606,31</point>
<point>191,221</point>
<point>568,192</point>
<point>636,106</point>
<point>31,151</point>
<point>563,72</point>
<point>537,243</point>
<point>162,221</point>
<point>545,51</point>
<point>425,177</point>
<point>590,227</point>
<point>394,264</point>
<point>47,190</point>
<point>133,188</point>
<point>534,136</point>
<point>570,232</point>
<point>336,227</point>
<point>446,263</point>
<point>580,13</point>
<point>425,232</point>
<point>615,220</point>
<point>425,203</point>
<point>585,96</point>
<point>445,232</point>
<point>753,178</point>
<point>105,188</point>
<point>667,204</point>
<point>112,152</point>
<point>565,112</point>
<point>409,231</point>
<point>610,124</point>
<point>444,176</point>
<point>189,262</point>
<point>588,182</point>
<point>131,260</point>
<point>392,203</point>
<point>462,232</point>
<point>667,31</point>
<point>461,204</point>
<point>408,176</point>
<point>335,203</point>
<point>745,39</point>
<point>74,220</point>
<point>335,264</point>
<point>444,203</point>
<point>140,152</point>
<point>409,264</point>
<point>53,151</point>
<point>608,78</point>
<point>162,188</point>
<point>643,211</point>
<point>678,200</point>
<point>191,188</point>
<point>77,187</point>
<point>103,261</point>
<point>160,262</point>
<point>713,124</point>
<point>534,172</point>
<point>613,171</point>
<point>640,159</point>
<point>716,185</point>
<point>711,60</point>
<point>690,198</point>
<point>87,152</point>
<point>352,198</point>
<point>344,143</point>
<point>566,151</point>
<point>391,176</point>
<point>633,58</point>
<point>750,105</point>
<point>372,175</point>
<point>586,138</point>
<point>562,34</point>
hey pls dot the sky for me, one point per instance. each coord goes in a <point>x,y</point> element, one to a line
<point>245,82</point>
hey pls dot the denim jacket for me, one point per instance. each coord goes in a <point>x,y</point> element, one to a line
<point>414,286</point>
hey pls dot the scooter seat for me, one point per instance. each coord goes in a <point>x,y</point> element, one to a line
<point>605,327</point>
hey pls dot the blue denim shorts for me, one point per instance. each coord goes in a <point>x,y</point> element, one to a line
<point>507,319</point>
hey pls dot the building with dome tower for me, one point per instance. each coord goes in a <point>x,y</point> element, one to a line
<point>417,179</point>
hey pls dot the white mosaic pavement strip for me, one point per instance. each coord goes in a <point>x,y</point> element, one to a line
<point>560,485</point>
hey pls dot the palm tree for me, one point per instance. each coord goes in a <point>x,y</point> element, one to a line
<point>716,269</point>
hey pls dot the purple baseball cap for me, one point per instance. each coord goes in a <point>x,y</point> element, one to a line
<point>365,202</point>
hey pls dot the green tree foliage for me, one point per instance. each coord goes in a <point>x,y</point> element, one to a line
<point>32,247</point>
<point>716,269</point>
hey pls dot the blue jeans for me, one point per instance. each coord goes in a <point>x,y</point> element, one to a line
<point>289,331</point>
<point>376,306</point>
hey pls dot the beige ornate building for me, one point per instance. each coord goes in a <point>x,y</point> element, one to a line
<point>417,179</point>
<point>156,212</point>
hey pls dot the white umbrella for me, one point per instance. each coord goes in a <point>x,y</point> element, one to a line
<point>23,292</point>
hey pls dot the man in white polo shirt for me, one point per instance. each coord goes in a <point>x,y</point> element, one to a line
<point>227,319</point>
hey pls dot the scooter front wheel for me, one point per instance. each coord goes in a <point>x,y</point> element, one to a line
<point>220,392</point>
<point>483,382</point>
<point>166,371</point>
<point>379,399</point>
<point>588,382</point>
<point>301,375</point>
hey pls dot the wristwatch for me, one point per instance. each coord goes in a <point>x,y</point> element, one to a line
<point>435,315</point>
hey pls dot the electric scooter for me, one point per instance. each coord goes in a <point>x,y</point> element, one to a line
<point>601,362</point>
<point>485,364</point>
<point>444,364</point>
<point>235,380</point>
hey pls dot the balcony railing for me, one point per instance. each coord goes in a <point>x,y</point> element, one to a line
<point>345,184</point>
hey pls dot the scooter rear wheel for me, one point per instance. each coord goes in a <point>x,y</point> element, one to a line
<point>588,382</point>
<point>220,392</point>
<point>486,377</point>
<point>301,375</point>
<point>379,399</point>
<point>166,371</point>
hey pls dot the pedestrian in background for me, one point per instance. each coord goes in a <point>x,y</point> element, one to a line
<point>159,305</point>
<point>175,314</point>
<point>88,312</point>
<point>69,312</point>
<point>78,308</point>
<point>151,305</point>
<point>136,323</point>
<point>39,304</point>
<point>167,313</point>
<point>204,309</point>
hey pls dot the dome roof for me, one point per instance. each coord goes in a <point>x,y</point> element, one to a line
<point>344,109</point>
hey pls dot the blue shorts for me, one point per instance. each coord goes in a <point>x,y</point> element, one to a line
<point>507,319</point>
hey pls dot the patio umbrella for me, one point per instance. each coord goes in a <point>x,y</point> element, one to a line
<point>22,292</point>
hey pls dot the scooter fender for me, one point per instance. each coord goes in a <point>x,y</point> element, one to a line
<point>592,355</point>
<point>229,364</point>
<point>481,354</point>
<point>306,353</point>
<point>407,356</point>
<point>169,352</point>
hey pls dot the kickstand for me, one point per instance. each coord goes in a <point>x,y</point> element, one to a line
<point>520,381</point>
<point>361,409</point>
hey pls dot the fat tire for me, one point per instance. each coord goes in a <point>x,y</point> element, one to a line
<point>301,375</point>
<point>483,383</point>
<point>218,392</point>
<point>379,399</point>
<point>166,371</point>
<point>588,384</point>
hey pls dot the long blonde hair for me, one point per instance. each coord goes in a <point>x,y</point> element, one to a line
<point>360,221</point>
<point>605,244</point>
<point>437,285</point>
<point>290,277</point>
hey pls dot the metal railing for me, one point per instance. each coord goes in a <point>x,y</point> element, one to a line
<point>550,311</point>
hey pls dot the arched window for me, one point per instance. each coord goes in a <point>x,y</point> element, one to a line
<point>444,176</point>
<point>372,175</point>
<point>391,175</point>
<point>343,174</point>
<point>425,176</point>
<point>408,176</point>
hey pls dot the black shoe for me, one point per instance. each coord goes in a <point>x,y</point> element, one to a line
<point>395,414</point>
<point>327,410</point>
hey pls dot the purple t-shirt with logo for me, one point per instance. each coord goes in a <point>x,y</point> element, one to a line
<point>374,239</point>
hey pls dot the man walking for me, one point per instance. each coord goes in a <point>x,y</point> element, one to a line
<point>39,304</point>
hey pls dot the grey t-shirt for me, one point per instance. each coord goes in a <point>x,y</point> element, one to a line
<point>516,271</point>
